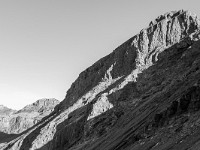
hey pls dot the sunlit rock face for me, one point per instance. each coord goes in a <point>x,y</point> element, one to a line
<point>142,96</point>
<point>14,122</point>
<point>5,110</point>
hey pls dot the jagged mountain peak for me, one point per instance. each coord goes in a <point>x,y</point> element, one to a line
<point>172,14</point>
<point>44,101</point>
<point>41,105</point>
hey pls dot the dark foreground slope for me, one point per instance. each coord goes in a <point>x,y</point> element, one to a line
<point>145,95</point>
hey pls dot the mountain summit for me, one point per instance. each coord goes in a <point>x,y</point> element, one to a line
<point>145,95</point>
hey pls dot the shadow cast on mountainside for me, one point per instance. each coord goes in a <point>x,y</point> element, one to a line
<point>73,131</point>
<point>4,137</point>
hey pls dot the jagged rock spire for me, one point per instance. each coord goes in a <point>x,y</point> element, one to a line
<point>163,32</point>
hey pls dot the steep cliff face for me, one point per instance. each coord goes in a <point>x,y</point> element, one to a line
<point>144,95</point>
<point>14,122</point>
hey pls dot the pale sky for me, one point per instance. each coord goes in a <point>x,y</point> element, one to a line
<point>45,44</point>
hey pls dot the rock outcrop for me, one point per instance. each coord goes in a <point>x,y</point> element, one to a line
<point>40,106</point>
<point>15,122</point>
<point>142,96</point>
<point>5,110</point>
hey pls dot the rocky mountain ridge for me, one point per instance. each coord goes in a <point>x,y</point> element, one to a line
<point>5,110</point>
<point>41,105</point>
<point>142,96</point>
<point>15,122</point>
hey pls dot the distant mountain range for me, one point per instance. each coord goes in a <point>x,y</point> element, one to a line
<point>5,110</point>
<point>15,122</point>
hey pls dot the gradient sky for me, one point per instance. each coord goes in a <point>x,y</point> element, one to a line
<point>45,44</point>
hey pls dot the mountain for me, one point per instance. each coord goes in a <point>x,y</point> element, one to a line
<point>5,110</point>
<point>15,122</point>
<point>40,106</point>
<point>145,95</point>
